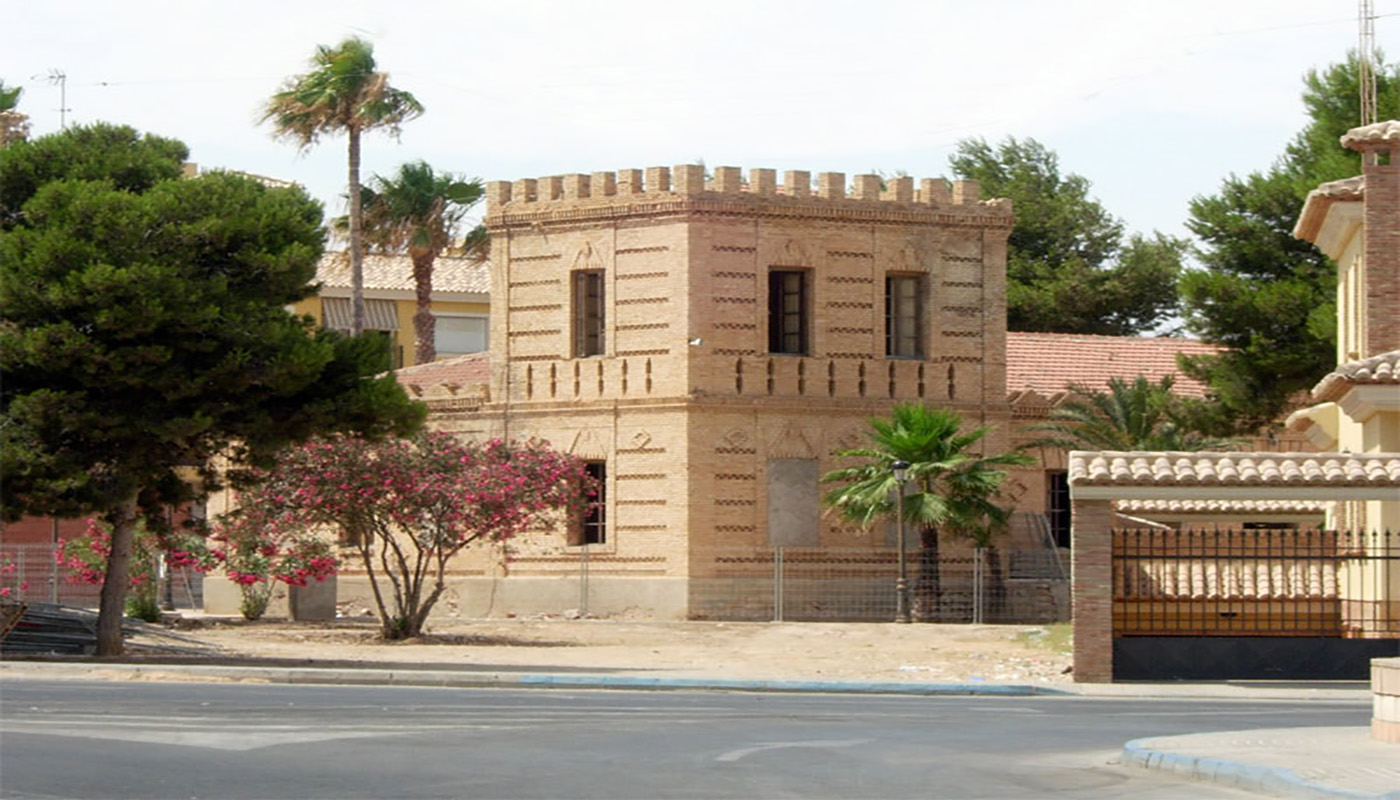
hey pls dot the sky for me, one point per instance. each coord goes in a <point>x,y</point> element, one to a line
<point>1154,102</point>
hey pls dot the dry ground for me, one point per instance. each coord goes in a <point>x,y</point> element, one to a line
<point>739,650</point>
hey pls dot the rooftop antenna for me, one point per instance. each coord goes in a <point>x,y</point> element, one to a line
<point>59,78</point>
<point>1365,59</point>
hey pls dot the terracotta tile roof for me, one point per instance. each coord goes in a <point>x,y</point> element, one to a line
<point>1279,470</point>
<point>1353,188</point>
<point>1048,362</point>
<point>450,273</point>
<point>467,370</point>
<point>1221,506</point>
<point>1277,578</point>
<point>1319,200</point>
<point>1380,369</point>
<point>1382,134</point>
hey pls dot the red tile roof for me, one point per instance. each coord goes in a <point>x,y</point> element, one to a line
<point>450,273</point>
<point>1049,362</point>
<point>473,368</point>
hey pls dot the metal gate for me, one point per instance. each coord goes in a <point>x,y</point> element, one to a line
<point>1253,604</point>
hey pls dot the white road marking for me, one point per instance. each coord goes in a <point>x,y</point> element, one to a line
<point>735,755</point>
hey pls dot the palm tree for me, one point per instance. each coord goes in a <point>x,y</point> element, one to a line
<point>955,489</point>
<point>9,96</point>
<point>342,93</point>
<point>14,126</point>
<point>1130,416</point>
<point>418,210</point>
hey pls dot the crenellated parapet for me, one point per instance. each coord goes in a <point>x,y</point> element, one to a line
<point>728,190</point>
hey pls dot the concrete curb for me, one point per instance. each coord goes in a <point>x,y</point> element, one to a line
<point>462,679</point>
<point>838,687</point>
<point>1279,781</point>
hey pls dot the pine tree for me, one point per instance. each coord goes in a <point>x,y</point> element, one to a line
<point>1269,296</point>
<point>145,334</point>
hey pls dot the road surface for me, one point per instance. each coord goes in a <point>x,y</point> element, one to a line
<point>190,740</point>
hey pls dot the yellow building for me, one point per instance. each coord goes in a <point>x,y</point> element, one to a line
<point>1356,222</point>
<point>461,302</point>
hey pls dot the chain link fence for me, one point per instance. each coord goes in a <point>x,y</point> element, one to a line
<point>32,574</point>
<point>860,585</point>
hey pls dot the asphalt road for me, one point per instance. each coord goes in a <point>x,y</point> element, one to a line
<point>187,740</point>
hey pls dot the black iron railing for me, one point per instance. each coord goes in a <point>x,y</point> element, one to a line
<point>1272,582</point>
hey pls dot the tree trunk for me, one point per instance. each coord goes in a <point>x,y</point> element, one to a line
<point>113,605</point>
<point>357,258</point>
<point>926,599</point>
<point>424,324</point>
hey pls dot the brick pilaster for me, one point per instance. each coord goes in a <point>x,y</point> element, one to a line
<point>1382,247</point>
<point>1092,576</point>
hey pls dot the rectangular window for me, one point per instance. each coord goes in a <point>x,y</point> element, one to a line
<point>787,312</point>
<point>904,316</point>
<point>1057,509</point>
<point>593,527</point>
<point>459,334</point>
<point>588,313</point>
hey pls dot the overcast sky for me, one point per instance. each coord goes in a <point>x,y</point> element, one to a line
<point>1152,101</point>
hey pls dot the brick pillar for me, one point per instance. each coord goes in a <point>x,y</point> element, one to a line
<point>688,179</point>
<point>901,189</point>
<point>629,181</point>
<point>550,187</point>
<point>866,187</point>
<point>831,185</point>
<point>1092,588</point>
<point>1382,247</point>
<point>497,195</point>
<point>934,191</point>
<point>576,187</point>
<point>728,179</point>
<point>603,184</point>
<point>966,192</point>
<point>798,182</point>
<point>763,181</point>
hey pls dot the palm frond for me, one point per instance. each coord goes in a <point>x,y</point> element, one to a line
<point>342,93</point>
<point>1140,415</point>
<point>948,483</point>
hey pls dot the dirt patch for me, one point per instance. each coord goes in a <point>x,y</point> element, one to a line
<point>736,650</point>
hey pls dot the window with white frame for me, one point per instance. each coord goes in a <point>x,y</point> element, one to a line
<point>459,334</point>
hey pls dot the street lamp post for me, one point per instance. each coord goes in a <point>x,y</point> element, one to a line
<point>901,584</point>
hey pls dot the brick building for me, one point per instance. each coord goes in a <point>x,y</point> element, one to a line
<point>706,343</point>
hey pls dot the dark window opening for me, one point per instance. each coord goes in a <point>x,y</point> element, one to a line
<point>588,313</point>
<point>904,316</point>
<point>787,312</point>
<point>1270,526</point>
<point>1057,507</point>
<point>593,526</point>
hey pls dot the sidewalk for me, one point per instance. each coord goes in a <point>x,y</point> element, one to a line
<point>1290,762</point>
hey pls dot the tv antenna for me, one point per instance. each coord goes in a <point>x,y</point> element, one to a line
<point>1366,59</point>
<point>59,78</point>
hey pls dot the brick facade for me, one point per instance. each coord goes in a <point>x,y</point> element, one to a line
<point>699,424</point>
